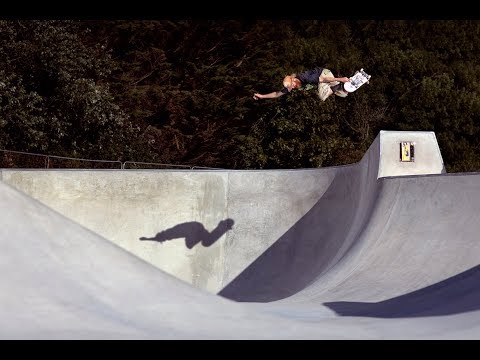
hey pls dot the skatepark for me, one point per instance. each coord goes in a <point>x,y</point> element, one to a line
<point>386,248</point>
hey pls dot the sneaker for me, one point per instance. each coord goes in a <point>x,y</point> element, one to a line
<point>341,93</point>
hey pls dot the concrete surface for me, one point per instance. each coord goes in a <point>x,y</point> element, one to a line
<point>334,253</point>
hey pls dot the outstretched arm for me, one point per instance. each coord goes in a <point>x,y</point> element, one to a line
<point>332,79</point>
<point>271,95</point>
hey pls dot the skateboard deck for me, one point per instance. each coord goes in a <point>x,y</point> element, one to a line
<point>357,80</point>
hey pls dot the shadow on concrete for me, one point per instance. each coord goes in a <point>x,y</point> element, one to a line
<point>308,248</point>
<point>194,233</point>
<point>457,294</point>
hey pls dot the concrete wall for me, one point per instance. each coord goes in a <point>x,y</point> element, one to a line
<point>126,205</point>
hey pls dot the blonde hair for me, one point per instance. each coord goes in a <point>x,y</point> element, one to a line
<point>288,80</point>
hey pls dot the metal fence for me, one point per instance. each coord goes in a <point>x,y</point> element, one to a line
<point>26,160</point>
<point>147,165</point>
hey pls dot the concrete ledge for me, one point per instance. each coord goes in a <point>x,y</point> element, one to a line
<point>427,159</point>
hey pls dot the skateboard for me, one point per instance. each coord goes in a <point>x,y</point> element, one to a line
<point>357,80</point>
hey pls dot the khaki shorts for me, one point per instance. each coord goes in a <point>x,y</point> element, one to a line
<point>324,89</point>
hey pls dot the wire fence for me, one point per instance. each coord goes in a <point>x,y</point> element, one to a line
<point>26,160</point>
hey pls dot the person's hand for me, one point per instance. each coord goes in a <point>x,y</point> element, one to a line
<point>344,79</point>
<point>257,96</point>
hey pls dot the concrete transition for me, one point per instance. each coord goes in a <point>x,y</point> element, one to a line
<point>386,248</point>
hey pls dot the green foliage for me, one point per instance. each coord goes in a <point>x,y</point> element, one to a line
<point>52,96</point>
<point>21,118</point>
<point>180,91</point>
<point>300,132</point>
<point>199,99</point>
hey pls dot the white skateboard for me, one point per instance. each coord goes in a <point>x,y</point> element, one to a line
<point>357,80</point>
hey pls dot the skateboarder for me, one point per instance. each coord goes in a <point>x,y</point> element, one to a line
<point>321,77</point>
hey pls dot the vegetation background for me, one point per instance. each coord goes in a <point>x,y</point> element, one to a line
<point>180,91</point>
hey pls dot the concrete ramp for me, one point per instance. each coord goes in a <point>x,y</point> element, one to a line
<point>384,248</point>
<point>62,281</point>
<point>317,241</point>
<point>421,239</point>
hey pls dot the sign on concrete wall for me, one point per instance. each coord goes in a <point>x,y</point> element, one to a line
<point>407,151</point>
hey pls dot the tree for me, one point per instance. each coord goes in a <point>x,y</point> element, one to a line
<point>54,98</point>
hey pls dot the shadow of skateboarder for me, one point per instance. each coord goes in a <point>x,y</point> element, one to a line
<point>194,233</point>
